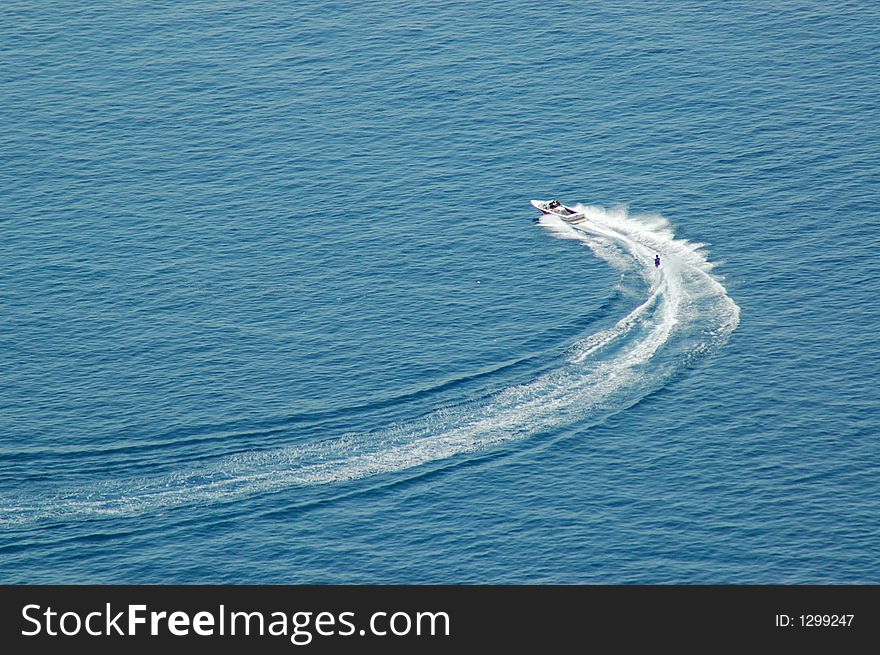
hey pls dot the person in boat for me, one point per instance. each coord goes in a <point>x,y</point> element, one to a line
<point>554,204</point>
<point>656,261</point>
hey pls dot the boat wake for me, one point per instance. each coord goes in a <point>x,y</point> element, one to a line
<point>683,314</point>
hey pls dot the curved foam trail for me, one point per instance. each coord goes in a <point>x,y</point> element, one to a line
<point>685,313</point>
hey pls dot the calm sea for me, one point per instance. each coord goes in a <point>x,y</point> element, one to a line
<point>274,306</point>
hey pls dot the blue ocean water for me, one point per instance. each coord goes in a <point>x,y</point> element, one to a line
<point>274,307</point>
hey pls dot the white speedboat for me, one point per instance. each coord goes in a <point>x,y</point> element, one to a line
<point>556,208</point>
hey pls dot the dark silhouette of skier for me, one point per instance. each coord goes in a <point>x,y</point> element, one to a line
<point>657,261</point>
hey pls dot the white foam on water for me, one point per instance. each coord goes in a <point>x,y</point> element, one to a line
<point>686,312</point>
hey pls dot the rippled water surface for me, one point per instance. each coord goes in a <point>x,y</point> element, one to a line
<point>274,307</point>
